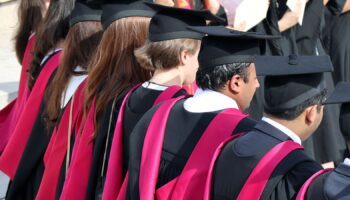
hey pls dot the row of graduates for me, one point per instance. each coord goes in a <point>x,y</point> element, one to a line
<point>76,137</point>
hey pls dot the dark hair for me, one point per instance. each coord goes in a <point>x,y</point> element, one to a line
<point>216,78</point>
<point>115,69</point>
<point>293,113</point>
<point>29,17</point>
<point>53,29</point>
<point>79,46</point>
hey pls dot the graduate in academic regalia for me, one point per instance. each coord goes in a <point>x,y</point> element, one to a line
<point>227,81</point>
<point>257,165</point>
<point>333,184</point>
<point>171,53</point>
<point>115,71</point>
<point>65,95</point>
<point>321,146</point>
<point>22,155</point>
<point>30,15</point>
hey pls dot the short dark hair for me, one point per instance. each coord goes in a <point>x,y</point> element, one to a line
<point>215,78</point>
<point>293,113</point>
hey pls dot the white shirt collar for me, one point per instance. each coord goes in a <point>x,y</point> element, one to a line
<point>154,86</point>
<point>208,101</point>
<point>72,86</point>
<point>284,129</point>
<point>49,54</point>
<point>347,161</point>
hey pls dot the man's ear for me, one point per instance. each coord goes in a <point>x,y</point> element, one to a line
<point>184,57</point>
<point>311,114</point>
<point>235,84</point>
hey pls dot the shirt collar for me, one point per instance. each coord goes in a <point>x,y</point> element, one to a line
<point>208,101</point>
<point>284,129</point>
<point>154,86</point>
<point>347,161</point>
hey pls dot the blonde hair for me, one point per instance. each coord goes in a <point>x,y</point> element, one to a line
<point>164,54</point>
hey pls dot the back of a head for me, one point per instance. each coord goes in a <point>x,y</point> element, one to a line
<point>169,36</point>
<point>286,97</point>
<point>53,29</point>
<point>114,67</point>
<point>30,15</point>
<point>79,47</point>
<point>293,83</point>
<point>225,53</point>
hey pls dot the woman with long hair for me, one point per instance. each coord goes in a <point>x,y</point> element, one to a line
<point>114,71</point>
<point>30,15</point>
<point>21,159</point>
<point>64,104</point>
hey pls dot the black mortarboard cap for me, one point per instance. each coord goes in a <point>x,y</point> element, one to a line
<point>224,46</point>
<point>341,94</point>
<point>292,80</point>
<point>117,9</point>
<point>85,11</point>
<point>171,23</point>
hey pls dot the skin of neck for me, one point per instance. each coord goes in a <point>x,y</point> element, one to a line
<point>168,77</point>
<point>297,125</point>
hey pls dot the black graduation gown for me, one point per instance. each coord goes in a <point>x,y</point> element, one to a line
<point>337,42</point>
<point>96,179</point>
<point>309,33</point>
<point>183,130</point>
<point>240,156</point>
<point>26,182</point>
<point>140,101</point>
<point>333,185</point>
<point>27,179</point>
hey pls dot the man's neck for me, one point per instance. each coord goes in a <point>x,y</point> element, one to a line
<point>292,125</point>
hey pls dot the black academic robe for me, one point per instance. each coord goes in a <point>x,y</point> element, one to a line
<point>336,41</point>
<point>309,33</point>
<point>27,179</point>
<point>26,182</point>
<point>333,185</point>
<point>240,156</point>
<point>96,177</point>
<point>140,101</point>
<point>183,130</point>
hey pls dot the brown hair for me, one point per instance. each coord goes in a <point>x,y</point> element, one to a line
<point>164,54</point>
<point>53,29</point>
<point>80,45</point>
<point>115,68</point>
<point>29,17</point>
